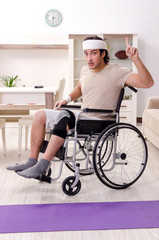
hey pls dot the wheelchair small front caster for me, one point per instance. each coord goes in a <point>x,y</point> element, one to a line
<point>66,186</point>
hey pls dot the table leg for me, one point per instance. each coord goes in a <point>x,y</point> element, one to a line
<point>49,104</point>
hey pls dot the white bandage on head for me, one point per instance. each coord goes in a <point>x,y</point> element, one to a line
<point>94,44</point>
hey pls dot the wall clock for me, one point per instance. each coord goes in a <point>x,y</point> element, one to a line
<point>53,18</point>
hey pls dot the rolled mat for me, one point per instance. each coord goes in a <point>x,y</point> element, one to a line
<point>79,216</point>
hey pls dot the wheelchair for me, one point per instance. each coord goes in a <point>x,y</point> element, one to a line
<point>116,152</point>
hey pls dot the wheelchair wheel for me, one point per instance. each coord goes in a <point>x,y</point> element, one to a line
<point>128,157</point>
<point>66,186</point>
<point>104,158</point>
<point>106,154</point>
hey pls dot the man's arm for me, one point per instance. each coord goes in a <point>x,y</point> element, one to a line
<point>76,93</point>
<point>143,78</point>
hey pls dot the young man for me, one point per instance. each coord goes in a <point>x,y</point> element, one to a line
<point>100,85</point>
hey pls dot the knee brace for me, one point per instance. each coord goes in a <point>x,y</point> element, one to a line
<point>64,118</point>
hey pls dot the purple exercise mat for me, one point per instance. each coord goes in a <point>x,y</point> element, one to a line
<point>79,216</point>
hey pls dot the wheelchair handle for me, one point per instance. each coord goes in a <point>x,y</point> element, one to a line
<point>133,89</point>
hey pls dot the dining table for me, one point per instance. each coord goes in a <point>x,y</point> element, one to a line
<point>27,98</point>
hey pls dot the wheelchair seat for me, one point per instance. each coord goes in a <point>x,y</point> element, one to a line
<point>92,126</point>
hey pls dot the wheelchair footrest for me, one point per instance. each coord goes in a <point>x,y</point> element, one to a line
<point>44,178</point>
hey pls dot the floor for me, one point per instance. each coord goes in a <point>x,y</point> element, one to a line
<point>18,190</point>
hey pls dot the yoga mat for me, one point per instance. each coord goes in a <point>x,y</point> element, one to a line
<point>79,216</point>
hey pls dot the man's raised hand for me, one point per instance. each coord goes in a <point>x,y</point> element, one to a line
<point>131,51</point>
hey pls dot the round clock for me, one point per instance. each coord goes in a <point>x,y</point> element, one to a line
<point>53,17</point>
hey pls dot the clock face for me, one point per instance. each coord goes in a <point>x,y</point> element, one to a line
<point>53,18</point>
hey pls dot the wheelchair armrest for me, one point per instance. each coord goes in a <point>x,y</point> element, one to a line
<point>97,110</point>
<point>71,106</point>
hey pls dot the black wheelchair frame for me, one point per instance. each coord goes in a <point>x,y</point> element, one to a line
<point>116,152</point>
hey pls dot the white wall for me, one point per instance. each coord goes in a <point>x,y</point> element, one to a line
<point>21,17</point>
<point>35,67</point>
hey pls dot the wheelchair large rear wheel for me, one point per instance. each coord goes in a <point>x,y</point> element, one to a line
<point>128,157</point>
<point>90,170</point>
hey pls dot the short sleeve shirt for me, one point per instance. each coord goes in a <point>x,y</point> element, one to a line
<point>101,90</point>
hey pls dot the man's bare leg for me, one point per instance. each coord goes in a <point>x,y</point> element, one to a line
<point>42,165</point>
<point>37,133</point>
<point>54,145</point>
<point>37,136</point>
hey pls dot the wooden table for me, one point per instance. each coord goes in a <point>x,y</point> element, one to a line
<point>49,97</point>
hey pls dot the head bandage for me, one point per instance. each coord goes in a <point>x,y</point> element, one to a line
<point>94,44</point>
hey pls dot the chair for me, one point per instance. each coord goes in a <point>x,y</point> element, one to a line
<point>27,120</point>
<point>150,121</point>
<point>60,89</point>
<point>2,126</point>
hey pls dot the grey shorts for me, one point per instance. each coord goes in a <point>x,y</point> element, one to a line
<point>50,117</point>
<point>52,113</point>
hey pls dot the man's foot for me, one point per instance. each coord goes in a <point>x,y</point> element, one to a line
<point>37,170</point>
<point>20,167</point>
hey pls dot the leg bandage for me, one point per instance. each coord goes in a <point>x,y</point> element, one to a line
<point>64,118</point>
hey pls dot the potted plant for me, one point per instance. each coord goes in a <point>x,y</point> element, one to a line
<point>10,81</point>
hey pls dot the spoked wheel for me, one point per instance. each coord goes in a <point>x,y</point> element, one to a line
<point>67,186</point>
<point>128,157</point>
<point>105,156</point>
